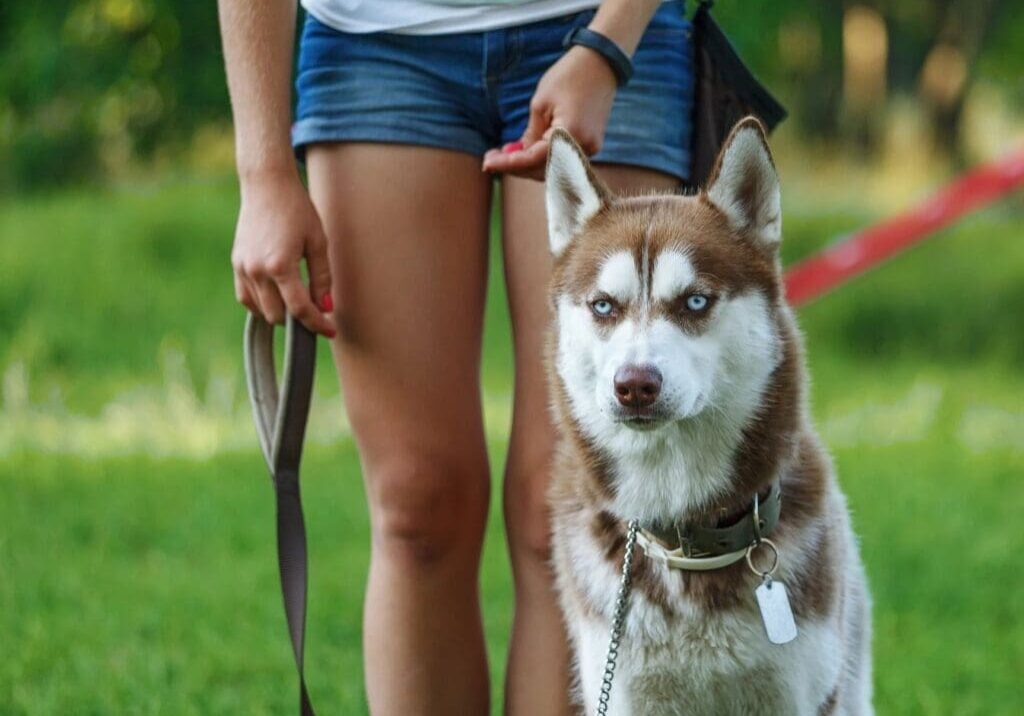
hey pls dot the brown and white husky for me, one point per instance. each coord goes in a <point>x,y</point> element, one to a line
<point>678,386</point>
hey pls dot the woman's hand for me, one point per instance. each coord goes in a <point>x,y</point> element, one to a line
<point>278,227</point>
<point>576,93</point>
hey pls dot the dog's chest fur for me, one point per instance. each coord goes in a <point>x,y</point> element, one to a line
<point>694,642</point>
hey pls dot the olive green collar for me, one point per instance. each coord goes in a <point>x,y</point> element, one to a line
<point>729,536</point>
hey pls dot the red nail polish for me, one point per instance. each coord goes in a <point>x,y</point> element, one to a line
<point>327,303</point>
<point>512,147</point>
<point>332,334</point>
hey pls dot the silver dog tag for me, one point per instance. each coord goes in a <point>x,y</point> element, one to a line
<point>775,611</point>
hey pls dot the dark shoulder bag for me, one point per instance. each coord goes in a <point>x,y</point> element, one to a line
<point>725,92</point>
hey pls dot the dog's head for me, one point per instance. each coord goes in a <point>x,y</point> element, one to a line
<point>665,305</point>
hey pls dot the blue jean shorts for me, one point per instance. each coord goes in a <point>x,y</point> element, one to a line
<point>471,91</point>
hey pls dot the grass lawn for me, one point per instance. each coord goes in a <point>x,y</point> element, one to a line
<point>137,568</point>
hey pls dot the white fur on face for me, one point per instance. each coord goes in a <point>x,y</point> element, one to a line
<point>712,383</point>
<point>571,198</point>
<point>688,462</point>
<point>618,278</point>
<point>673,274</point>
<point>747,187</point>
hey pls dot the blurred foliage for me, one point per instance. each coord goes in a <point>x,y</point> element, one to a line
<point>86,86</point>
<point>797,46</point>
<point>91,87</point>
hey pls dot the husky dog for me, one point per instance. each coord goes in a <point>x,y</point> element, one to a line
<point>678,387</point>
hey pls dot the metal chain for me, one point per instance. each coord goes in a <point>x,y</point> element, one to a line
<point>618,619</point>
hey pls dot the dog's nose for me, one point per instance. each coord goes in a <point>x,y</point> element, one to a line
<point>637,386</point>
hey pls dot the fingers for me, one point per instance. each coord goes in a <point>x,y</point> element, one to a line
<point>319,269</point>
<point>244,293</point>
<point>539,122</point>
<point>247,289</point>
<point>277,228</point>
<point>274,288</point>
<point>528,162</point>
<point>526,157</point>
<point>296,298</point>
<point>267,297</point>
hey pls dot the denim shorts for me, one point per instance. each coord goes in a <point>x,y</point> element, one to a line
<point>471,91</point>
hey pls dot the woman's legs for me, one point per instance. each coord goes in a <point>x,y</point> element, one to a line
<point>407,228</point>
<point>538,668</point>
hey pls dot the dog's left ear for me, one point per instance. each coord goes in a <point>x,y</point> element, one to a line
<point>745,187</point>
<point>574,194</point>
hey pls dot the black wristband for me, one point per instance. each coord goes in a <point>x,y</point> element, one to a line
<point>618,60</point>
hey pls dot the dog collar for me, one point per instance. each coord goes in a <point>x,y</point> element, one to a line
<point>702,547</point>
<point>675,559</point>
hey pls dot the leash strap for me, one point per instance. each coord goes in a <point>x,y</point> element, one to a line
<point>280,413</point>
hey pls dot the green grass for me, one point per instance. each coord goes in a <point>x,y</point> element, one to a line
<point>138,576</point>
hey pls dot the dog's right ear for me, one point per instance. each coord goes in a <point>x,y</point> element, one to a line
<point>745,186</point>
<point>574,194</point>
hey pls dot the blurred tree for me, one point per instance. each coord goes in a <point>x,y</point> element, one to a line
<point>823,59</point>
<point>950,65</point>
<point>87,87</point>
<point>865,74</point>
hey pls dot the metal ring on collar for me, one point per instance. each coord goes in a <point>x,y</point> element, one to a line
<point>775,558</point>
<point>756,519</point>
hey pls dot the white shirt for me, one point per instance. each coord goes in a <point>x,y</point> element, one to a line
<point>435,17</point>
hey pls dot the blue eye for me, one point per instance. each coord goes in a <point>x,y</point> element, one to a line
<point>602,307</point>
<point>697,302</point>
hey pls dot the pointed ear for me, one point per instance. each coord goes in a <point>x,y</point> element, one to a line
<point>745,187</point>
<point>574,194</point>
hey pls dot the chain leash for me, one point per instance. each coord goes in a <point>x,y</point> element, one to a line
<point>618,619</point>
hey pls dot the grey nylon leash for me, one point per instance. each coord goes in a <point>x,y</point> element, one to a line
<point>618,619</point>
<point>280,413</point>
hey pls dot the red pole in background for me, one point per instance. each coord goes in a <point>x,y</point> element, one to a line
<point>814,276</point>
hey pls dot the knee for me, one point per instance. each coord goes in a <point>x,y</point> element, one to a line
<point>527,513</point>
<point>428,508</point>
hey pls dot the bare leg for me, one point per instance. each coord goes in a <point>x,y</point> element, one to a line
<point>538,669</point>
<point>407,228</point>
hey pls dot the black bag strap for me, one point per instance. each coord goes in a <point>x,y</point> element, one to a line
<point>280,414</point>
<point>734,71</point>
<point>725,92</point>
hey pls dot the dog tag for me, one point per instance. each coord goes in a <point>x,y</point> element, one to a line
<point>775,611</point>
